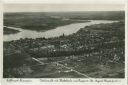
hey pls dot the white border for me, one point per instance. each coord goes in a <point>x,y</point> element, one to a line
<point>1,42</point>
<point>36,81</point>
<point>126,41</point>
<point>67,1</point>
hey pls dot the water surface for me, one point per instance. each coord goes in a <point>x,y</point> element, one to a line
<point>58,31</point>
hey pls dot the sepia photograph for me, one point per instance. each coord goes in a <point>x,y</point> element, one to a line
<point>63,41</point>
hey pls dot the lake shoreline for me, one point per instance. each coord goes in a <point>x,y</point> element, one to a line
<point>8,31</point>
<point>66,30</point>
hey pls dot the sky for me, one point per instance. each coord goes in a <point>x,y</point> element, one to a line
<point>63,5</point>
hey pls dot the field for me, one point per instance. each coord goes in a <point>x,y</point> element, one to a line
<point>95,51</point>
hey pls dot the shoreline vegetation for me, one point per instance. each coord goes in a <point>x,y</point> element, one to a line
<point>40,24</point>
<point>96,50</point>
<point>9,31</point>
<point>49,25</point>
<point>50,20</point>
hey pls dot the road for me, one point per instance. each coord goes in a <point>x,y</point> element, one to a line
<point>57,63</point>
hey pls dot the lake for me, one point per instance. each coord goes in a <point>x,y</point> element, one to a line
<point>58,31</point>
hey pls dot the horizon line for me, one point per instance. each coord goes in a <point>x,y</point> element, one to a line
<point>65,11</point>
